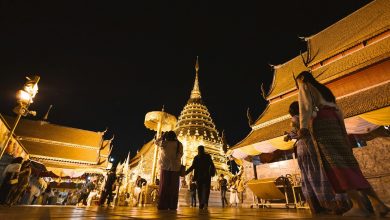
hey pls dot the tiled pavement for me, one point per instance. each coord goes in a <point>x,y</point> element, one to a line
<point>78,213</point>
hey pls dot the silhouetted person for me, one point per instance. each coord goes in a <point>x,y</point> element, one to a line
<point>223,187</point>
<point>108,188</point>
<point>204,170</point>
<point>193,192</point>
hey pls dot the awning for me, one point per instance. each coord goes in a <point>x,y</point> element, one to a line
<point>73,173</point>
<point>360,124</point>
<point>267,146</point>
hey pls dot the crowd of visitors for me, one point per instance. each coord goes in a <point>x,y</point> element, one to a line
<point>21,186</point>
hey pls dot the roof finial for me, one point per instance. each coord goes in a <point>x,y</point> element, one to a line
<point>195,93</point>
<point>197,64</point>
<point>47,113</point>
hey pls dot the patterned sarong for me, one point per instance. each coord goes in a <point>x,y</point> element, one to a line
<point>331,140</point>
<point>316,187</point>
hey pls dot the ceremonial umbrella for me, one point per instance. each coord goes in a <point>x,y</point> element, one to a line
<point>159,121</point>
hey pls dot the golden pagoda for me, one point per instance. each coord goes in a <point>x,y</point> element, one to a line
<point>196,127</point>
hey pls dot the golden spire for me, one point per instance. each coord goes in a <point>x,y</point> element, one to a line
<point>195,93</point>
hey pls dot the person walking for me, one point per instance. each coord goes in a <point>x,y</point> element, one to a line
<point>204,170</point>
<point>321,119</point>
<point>222,182</point>
<point>170,162</point>
<point>193,191</point>
<point>10,179</point>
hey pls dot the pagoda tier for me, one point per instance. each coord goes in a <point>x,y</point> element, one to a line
<point>196,127</point>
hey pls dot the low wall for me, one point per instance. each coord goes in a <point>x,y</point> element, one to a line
<point>374,161</point>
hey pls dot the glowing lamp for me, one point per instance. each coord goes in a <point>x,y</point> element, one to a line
<point>23,97</point>
<point>31,89</point>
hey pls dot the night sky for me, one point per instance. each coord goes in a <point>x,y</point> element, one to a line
<point>107,63</point>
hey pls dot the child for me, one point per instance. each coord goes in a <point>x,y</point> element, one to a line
<point>193,192</point>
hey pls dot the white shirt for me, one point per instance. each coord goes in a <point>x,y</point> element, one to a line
<point>170,155</point>
<point>306,94</point>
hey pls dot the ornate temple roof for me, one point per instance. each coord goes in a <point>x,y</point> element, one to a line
<point>365,23</point>
<point>345,56</point>
<point>279,119</point>
<point>61,146</point>
<point>143,151</point>
<point>47,131</point>
<point>359,40</point>
<point>195,119</point>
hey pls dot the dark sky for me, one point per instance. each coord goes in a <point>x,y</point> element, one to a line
<point>107,63</point>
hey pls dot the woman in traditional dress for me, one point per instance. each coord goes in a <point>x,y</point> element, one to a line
<point>170,162</point>
<point>316,188</point>
<point>321,118</point>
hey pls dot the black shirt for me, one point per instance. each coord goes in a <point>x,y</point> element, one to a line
<point>204,168</point>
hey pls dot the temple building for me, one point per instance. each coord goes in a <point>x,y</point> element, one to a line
<point>351,57</point>
<point>194,127</point>
<point>65,151</point>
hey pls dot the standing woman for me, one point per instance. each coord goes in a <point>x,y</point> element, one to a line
<point>10,179</point>
<point>170,162</point>
<point>321,118</point>
<point>316,188</point>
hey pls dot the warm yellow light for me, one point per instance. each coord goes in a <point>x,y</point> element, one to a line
<point>23,96</point>
<point>31,89</point>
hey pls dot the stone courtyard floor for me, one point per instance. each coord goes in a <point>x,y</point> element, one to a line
<point>78,213</point>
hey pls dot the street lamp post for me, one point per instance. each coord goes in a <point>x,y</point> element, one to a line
<point>24,98</point>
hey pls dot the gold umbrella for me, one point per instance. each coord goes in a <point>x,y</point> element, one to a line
<point>158,121</point>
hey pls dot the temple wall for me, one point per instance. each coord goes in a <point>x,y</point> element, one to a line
<point>374,163</point>
<point>271,170</point>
